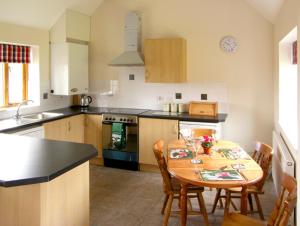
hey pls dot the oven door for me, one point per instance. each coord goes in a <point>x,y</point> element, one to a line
<point>125,157</point>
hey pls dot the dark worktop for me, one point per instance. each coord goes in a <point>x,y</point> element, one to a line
<point>183,116</point>
<point>26,160</point>
<point>12,125</point>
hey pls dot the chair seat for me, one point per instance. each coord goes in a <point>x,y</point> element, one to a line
<point>250,189</point>
<point>235,219</point>
<point>191,188</point>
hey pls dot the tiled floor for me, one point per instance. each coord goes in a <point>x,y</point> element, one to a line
<point>127,198</point>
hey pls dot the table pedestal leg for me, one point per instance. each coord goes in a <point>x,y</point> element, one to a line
<point>244,200</point>
<point>183,204</point>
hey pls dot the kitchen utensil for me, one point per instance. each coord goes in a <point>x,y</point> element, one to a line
<point>85,101</point>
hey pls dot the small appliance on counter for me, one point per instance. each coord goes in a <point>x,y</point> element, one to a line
<point>85,101</point>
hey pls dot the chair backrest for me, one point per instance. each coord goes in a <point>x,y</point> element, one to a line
<point>285,203</point>
<point>162,164</point>
<point>263,154</point>
<point>202,132</point>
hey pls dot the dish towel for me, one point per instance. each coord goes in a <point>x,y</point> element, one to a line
<point>118,132</point>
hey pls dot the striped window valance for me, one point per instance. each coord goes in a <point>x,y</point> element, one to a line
<point>14,54</point>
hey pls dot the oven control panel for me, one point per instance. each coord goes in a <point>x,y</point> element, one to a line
<point>129,119</point>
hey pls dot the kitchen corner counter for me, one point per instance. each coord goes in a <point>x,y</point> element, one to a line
<point>183,116</point>
<point>25,160</point>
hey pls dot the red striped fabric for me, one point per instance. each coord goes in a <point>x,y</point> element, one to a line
<point>14,54</point>
<point>295,61</point>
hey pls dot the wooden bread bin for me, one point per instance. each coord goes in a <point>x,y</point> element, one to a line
<point>203,108</point>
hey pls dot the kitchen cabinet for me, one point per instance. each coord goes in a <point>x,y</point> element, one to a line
<point>165,60</point>
<point>69,68</point>
<point>93,135</point>
<point>150,131</point>
<point>68,129</point>
<point>71,27</point>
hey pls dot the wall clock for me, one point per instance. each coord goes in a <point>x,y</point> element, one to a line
<point>228,44</point>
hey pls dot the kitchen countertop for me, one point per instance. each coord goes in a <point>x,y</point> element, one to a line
<point>26,160</point>
<point>183,116</point>
<point>13,125</point>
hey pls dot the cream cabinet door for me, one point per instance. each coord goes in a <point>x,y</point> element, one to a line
<point>93,135</point>
<point>68,129</point>
<point>165,60</point>
<point>56,130</point>
<point>150,131</point>
<point>76,129</point>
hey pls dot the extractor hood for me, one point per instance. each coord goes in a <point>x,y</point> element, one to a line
<point>132,41</point>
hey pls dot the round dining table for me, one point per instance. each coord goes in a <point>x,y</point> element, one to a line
<point>189,173</point>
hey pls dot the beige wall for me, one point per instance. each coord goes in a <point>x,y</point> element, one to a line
<point>248,73</point>
<point>25,35</point>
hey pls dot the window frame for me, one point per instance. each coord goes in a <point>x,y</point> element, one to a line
<point>6,85</point>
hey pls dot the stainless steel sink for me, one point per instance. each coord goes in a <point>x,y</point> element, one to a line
<point>40,116</point>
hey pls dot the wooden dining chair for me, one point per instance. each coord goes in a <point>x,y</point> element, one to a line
<point>281,213</point>
<point>172,188</point>
<point>263,156</point>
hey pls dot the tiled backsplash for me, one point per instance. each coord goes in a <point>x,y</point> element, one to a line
<point>138,94</point>
<point>54,102</point>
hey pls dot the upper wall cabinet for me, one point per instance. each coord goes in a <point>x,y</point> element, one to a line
<point>69,68</point>
<point>71,27</point>
<point>165,60</point>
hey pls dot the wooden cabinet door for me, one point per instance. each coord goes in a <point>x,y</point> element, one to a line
<point>75,129</point>
<point>68,129</point>
<point>93,135</point>
<point>150,131</point>
<point>165,60</point>
<point>56,130</point>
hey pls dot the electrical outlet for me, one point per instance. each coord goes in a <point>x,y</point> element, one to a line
<point>45,96</point>
<point>178,96</point>
<point>131,76</point>
<point>203,96</point>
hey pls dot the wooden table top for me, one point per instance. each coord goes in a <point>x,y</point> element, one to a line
<point>188,173</point>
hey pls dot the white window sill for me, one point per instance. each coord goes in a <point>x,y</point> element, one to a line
<point>9,109</point>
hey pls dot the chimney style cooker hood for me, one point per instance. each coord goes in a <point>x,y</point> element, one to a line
<point>131,55</point>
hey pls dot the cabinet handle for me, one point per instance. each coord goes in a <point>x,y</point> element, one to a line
<point>74,90</point>
<point>69,126</point>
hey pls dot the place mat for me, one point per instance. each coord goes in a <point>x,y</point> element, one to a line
<point>238,166</point>
<point>181,154</point>
<point>231,153</point>
<point>220,175</point>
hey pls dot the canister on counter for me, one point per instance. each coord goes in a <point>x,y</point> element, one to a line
<point>166,107</point>
<point>174,107</point>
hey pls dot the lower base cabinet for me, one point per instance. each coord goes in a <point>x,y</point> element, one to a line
<point>60,202</point>
<point>150,131</point>
<point>80,129</point>
<point>93,135</point>
<point>67,129</point>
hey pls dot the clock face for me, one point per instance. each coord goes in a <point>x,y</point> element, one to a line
<point>228,44</point>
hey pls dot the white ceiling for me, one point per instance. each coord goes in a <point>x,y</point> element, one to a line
<point>268,8</point>
<point>44,13</point>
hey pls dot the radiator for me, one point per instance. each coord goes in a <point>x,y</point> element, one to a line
<point>282,161</point>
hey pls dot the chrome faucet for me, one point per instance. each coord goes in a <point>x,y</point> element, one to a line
<point>18,115</point>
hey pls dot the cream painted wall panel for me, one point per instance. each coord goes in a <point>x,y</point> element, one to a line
<point>247,74</point>
<point>77,26</point>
